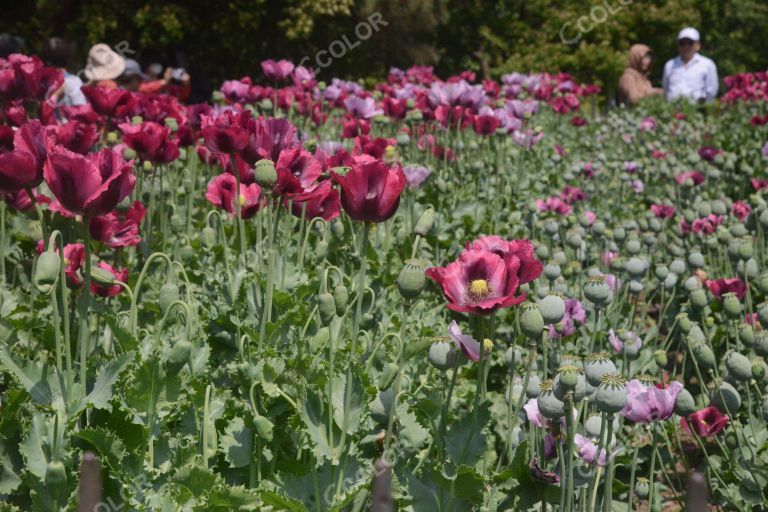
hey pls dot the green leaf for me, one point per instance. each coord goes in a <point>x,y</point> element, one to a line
<point>40,381</point>
<point>280,502</point>
<point>225,498</point>
<point>314,414</point>
<point>125,339</point>
<point>101,393</point>
<point>9,480</point>
<point>35,448</point>
<point>465,441</point>
<point>197,479</point>
<point>357,403</point>
<point>108,446</point>
<point>411,435</point>
<point>236,443</point>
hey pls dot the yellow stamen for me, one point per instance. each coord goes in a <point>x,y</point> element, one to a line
<point>479,289</point>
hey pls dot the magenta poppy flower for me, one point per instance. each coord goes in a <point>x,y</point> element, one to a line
<point>719,287</point>
<point>301,164</point>
<point>113,290</point>
<point>530,267</point>
<point>236,91</point>
<point>74,256</point>
<point>109,102</point>
<point>112,232</point>
<point>695,176</point>
<point>268,138</point>
<point>21,201</point>
<point>89,185</point>
<point>658,154</point>
<point>222,192</point>
<point>304,78</point>
<point>464,342</point>
<point>370,192</point>
<point>589,217</point>
<point>708,153</point>
<point>646,404</point>
<point>759,184</point>
<point>553,204</point>
<point>485,125</point>
<point>23,167</point>
<point>322,201</point>
<point>352,127</point>
<point>480,282</point>
<point>586,449</point>
<point>706,422</point>
<point>572,195</point>
<point>225,133</point>
<point>151,141</point>
<point>394,108</point>
<point>741,210</point>
<point>647,124</point>
<point>662,211</point>
<point>77,136</point>
<point>277,70</point>
<point>579,121</point>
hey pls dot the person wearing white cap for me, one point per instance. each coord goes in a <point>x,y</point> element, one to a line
<point>690,75</point>
<point>104,66</point>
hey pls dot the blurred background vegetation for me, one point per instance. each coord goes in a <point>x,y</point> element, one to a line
<point>228,39</point>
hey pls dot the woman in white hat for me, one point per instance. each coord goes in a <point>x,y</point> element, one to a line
<point>104,66</point>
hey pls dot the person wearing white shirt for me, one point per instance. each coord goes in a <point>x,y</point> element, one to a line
<point>690,75</point>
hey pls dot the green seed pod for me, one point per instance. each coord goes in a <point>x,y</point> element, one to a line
<point>696,260</point>
<point>569,379</point>
<point>47,272</point>
<point>619,234</point>
<point>692,283</point>
<point>684,323</point>
<point>513,356</point>
<point>762,314</point>
<point>636,268</point>
<point>685,405</point>
<point>265,173</point>
<point>598,365</point>
<point>381,407</point>
<point>731,305</point>
<point>678,267</point>
<point>762,283</point>
<point>387,375</point>
<point>340,299</point>
<point>592,425</point>
<point>55,474</point>
<point>611,394</point>
<point>403,139</point>
<point>425,222</point>
<point>264,427</point>
<point>642,488</point>
<point>633,247</point>
<point>598,227</point>
<point>208,237</point>
<point>597,291</point>
<point>670,281</point>
<point>337,229</point>
<point>112,138</point>
<point>552,271</point>
<point>699,298</point>
<point>760,343</point>
<point>764,410</point>
<point>146,164</point>
<point>661,272</point>
<point>746,334</point>
<point>660,358</point>
<point>635,287</point>
<point>758,370</point>
<point>549,406</point>
<point>531,321</point>
<point>739,367</point>
<point>542,252</point>
<point>169,293</point>
<point>533,389</point>
<point>411,279</point>
<point>726,398</point>
<point>326,306</point>
<point>442,355</point>
<point>552,308</point>
<point>745,250</point>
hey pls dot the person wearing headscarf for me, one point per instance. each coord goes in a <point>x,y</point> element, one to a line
<point>634,84</point>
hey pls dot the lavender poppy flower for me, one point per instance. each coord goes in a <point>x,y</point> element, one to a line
<point>587,450</point>
<point>468,345</point>
<point>362,108</point>
<point>638,186</point>
<point>415,175</point>
<point>629,338</point>
<point>574,312</point>
<point>649,404</point>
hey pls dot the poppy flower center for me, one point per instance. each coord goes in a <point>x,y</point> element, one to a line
<point>479,289</point>
<point>241,199</point>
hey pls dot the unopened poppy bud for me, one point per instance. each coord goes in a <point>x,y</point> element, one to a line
<point>611,394</point>
<point>642,488</point>
<point>531,321</point>
<point>46,272</point>
<point>264,427</point>
<point>636,268</point>
<point>442,186</point>
<point>381,407</point>
<point>731,305</point>
<point>619,234</point>
<point>326,306</point>
<point>660,358</point>
<point>137,120</point>
<point>683,323</point>
<point>411,279</point>
<point>699,298</point>
<point>321,249</point>
<point>685,405</point>
<point>179,353</point>
<point>726,398</point>
<point>746,334</point>
<point>442,355</point>
<point>265,173</point>
<point>633,246</point>
<point>146,165</point>
<point>112,138</point>
<point>739,367</point>
<point>703,355</point>
<point>169,293</point>
<point>208,237</point>
<point>760,343</point>
<point>340,299</point>
<point>414,115</point>
<point>403,139</point>
<point>129,154</point>
<point>425,222</point>
<point>597,291</point>
<point>533,389</point>
<point>696,260</point>
<point>102,276</point>
<point>552,271</point>
<point>337,228</point>
<point>552,308</point>
<point>55,474</point>
<point>661,272</point>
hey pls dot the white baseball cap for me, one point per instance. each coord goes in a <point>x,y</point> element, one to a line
<point>688,33</point>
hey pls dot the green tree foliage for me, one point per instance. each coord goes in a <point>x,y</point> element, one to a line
<point>491,37</point>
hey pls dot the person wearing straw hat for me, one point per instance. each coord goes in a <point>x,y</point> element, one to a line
<point>690,74</point>
<point>104,66</point>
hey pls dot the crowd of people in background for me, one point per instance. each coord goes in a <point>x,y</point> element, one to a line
<point>690,75</point>
<point>107,68</point>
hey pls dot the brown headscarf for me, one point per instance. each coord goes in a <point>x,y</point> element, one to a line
<point>634,84</point>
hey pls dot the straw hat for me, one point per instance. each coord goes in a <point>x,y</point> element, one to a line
<point>103,63</point>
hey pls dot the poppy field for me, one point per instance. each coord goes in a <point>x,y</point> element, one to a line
<point>428,293</point>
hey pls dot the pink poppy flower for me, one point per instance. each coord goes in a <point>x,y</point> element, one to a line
<point>467,344</point>
<point>719,287</point>
<point>741,210</point>
<point>277,70</point>
<point>706,422</point>
<point>695,176</point>
<point>662,211</point>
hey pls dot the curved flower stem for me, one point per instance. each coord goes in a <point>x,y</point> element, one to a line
<point>398,380</point>
<point>140,281</point>
<point>85,305</point>
<point>39,212</point>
